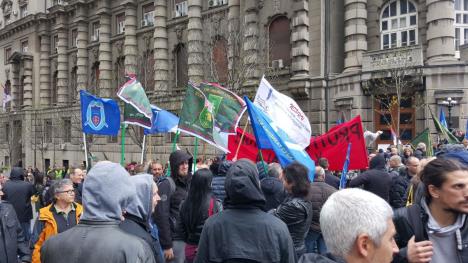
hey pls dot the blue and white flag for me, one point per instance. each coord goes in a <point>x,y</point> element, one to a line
<point>98,115</point>
<point>269,137</point>
<point>442,119</point>
<point>344,173</point>
<point>162,122</point>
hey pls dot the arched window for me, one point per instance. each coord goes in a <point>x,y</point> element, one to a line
<point>279,42</point>
<point>181,70</point>
<point>220,59</point>
<point>399,24</point>
<point>461,24</point>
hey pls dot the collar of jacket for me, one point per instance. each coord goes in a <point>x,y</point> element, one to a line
<point>46,213</point>
<point>137,220</point>
<point>99,223</point>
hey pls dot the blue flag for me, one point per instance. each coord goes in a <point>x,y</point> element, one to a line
<point>162,121</point>
<point>277,140</point>
<point>98,115</point>
<point>344,173</point>
<point>442,119</point>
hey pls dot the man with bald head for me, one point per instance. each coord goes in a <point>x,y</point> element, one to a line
<point>76,176</point>
<point>401,183</point>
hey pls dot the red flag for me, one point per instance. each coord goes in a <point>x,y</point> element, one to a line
<point>333,145</point>
<point>248,148</point>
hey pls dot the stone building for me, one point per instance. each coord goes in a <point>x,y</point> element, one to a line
<point>331,56</point>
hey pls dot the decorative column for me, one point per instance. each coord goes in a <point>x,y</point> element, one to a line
<point>300,39</point>
<point>82,57</point>
<point>44,71</point>
<point>355,33</point>
<point>27,83</point>
<point>105,51</point>
<point>195,41</point>
<point>15,82</point>
<point>161,47</point>
<point>251,43</point>
<point>62,67</point>
<point>130,43</point>
<point>440,31</point>
<point>233,27</point>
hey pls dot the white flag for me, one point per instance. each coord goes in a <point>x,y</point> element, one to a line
<point>284,112</point>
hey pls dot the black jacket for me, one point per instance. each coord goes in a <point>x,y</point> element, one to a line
<point>318,195</point>
<point>413,220</point>
<point>274,193</point>
<point>133,225</point>
<point>167,210</point>
<point>398,190</point>
<point>78,192</point>
<point>217,185</point>
<point>376,180</point>
<point>243,232</point>
<point>12,241</point>
<point>332,179</point>
<point>316,258</point>
<point>183,223</point>
<point>296,213</point>
<point>18,193</point>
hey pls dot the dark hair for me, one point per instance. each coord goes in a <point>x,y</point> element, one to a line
<point>38,178</point>
<point>435,172</point>
<point>297,175</point>
<point>194,210</point>
<point>323,162</point>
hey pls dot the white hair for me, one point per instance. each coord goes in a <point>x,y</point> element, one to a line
<point>396,159</point>
<point>349,213</point>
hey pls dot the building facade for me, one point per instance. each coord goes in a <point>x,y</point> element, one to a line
<point>335,58</point>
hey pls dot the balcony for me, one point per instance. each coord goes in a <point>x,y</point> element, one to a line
<point>387,59</point>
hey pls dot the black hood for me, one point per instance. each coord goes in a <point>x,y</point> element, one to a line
<point>243,187</point>
<point>224,168</point>
<point>175,159</point>
<point>272,185</point>
<point>17,174</point>
<point>378,162</point>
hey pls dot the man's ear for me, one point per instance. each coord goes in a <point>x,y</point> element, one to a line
<point>363,245</point>
<point>433,191</point>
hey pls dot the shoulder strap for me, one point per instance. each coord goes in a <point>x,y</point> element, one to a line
<point>210,210</point>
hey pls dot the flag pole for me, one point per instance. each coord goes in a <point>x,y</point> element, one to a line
<point>85,151</point>
<point>263,162</point>
<point>240,142</point>
<point>174,142</point>
<point>122,156</point>
<point>195,152</point>
<point>143,149</point>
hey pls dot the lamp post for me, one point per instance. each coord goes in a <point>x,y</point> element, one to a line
<point>449,102</point>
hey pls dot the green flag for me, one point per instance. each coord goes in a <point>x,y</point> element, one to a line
<point>133,116</point>
<point>424,137</point>
<point>441,129</point>
<point>132,92</point>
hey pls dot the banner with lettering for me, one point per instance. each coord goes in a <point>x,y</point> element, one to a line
<point>248,149</point>
<point>334,144</point>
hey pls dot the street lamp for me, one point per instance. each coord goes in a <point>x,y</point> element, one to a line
<point>449,103</point>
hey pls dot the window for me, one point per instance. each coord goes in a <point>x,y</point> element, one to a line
<point>95,36</point>
<point>67,130</point>
<point>24,46</point>
<point>213,3</point>
<point>47,130</point>
<point>220,60</point>
<point>279,41</point>
<point>7,132</point>
<point>23,11</point>
<point>55,44</point>
<point>461,24</point>
<point>74,38</point>
<point>181,66</point>
<point>385,118</point>
<point>180,8</point>
<point>7,54</point>
<point>399,24</point>
<point>120,23</point>
<point>148,15</point>
<point>53,91</point>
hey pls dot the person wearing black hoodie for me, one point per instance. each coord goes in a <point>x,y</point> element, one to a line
<point>376,180</point>
<point>18,193</point>
<point>139,210</point>
<point>243,232</point>
<point>272,187</point>
<point>173,190</point>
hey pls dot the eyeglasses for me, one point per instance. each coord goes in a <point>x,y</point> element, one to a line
<point>68,192</point>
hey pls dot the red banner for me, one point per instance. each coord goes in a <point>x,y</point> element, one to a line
<point>331,145</point>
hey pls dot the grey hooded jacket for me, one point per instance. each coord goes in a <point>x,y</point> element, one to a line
<point>98,238</point>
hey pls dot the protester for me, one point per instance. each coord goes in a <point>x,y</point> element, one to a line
<point>217,185</point>
<point>3,178</point>
<point>296,209</point>
<point>76,176</point>
<point>376,180</point>
<point>243,232</point>
<point>436,229</point>
<point>138,212</point>
<point>272,187</point>
<point>357,227</point>
<point>420,152</point>
<point>38,189</point>
<point>401,183</point>
<point>407,152</point>
<point>329,177</point>
<point>57,217</point>
<point>395,167</point>
<point>156,169</point>
<point>18,193</point>
<point>173,190</point>
<point>199,205</point>
<point>98,238</point>
<point>318,195</point>
<point>13,245</point>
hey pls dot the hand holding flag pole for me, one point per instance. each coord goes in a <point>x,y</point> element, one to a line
<point>345,168</point>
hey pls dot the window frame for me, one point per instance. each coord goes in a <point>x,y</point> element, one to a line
<point>461,25</point>
<point>391,33</point>
<point>7,54</point>
<point>120,23</point>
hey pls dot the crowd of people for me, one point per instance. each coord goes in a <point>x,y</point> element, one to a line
<point>407,207</point>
